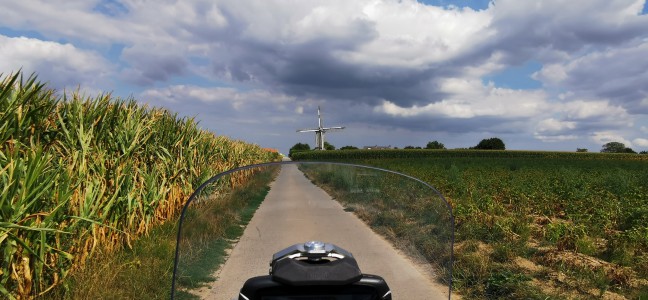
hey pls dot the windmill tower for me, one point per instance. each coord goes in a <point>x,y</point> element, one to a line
<point>320,131</point>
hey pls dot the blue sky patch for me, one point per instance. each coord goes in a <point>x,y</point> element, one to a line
<point>114,53</point>
<point>474,4</point>
<point>111,8</point>
<point>15,33</point>
<point>516,77</point>
<point>18,33</point>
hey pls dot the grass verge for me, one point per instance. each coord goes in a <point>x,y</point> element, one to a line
<point>145,270</point>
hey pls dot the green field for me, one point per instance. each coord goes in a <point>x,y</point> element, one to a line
<point>533,225</point>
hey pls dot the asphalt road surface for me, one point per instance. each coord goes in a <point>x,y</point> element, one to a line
<point>296,211</point>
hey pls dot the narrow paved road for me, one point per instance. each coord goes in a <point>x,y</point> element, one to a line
<point>296,211</point>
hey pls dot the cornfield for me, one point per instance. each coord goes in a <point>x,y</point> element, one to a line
<point>80,174</point>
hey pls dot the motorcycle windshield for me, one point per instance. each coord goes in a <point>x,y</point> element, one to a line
<point>394,226</point>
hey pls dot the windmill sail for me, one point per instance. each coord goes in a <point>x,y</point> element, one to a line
<point>320,131</point>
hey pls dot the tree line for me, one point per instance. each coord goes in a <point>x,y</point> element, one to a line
<point>485,144</point>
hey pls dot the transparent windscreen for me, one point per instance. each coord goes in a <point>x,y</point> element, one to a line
<point>394,226</point>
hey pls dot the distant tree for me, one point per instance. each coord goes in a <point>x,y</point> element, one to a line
<point>490,144</point>
<point>349,148</point>
<point>435,145</point>
<point>581,149</point>
<point>409,147</point>
<point>629,150</point>
<point>298,147</point>
<point>614,147</point>
<point>643,152</point>
<point>328,146</point>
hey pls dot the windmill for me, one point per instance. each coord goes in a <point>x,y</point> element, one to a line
<point>320,131</point>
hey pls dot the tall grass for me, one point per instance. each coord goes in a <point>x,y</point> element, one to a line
<point>145,270</point>
<point>80,174</point>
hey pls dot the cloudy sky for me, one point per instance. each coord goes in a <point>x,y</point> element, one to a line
<point>545,75</point>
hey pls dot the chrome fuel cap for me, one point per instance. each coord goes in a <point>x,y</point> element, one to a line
<point>315,247</point>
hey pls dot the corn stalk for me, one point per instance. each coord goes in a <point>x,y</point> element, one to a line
<point>80,174</point>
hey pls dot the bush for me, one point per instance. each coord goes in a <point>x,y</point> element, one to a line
<point>328,146</point>
<point>298,148</point>
<point>435,145</point>
<point>490,144</point>
<point>616,147</point>
<point>349,148</point>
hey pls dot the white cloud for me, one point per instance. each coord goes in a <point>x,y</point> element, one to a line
<point>553,125</point>
<point>603,137</point>
<point>603,110</point>
<point>389,33</point>
<point>572,120</point>
<point>551,73</point>
<point>142,22</point>
<point>230,97</point>
<point>149,64</point>
<point>410,34</point>
<point>644,129</point>
<point>617,73</point>
<point>341,22</point>
<point>644,102</point>
<point>299,109</point>
<point>470,99</point>
<point>60,64</point>
<point>640,142</point>
<point>555,138</point>
<point>554,130</point>
<point>71,19</point>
